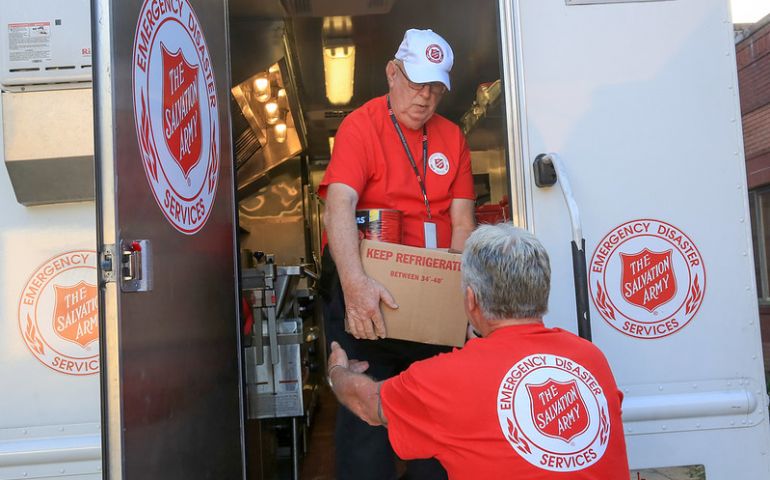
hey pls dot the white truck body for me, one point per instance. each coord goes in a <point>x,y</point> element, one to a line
<point>644,112</point>
<point>639,102</point>
<point>49,372</point>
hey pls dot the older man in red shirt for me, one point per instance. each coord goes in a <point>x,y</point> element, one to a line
<point>524,401</point>
<point>393,152</point>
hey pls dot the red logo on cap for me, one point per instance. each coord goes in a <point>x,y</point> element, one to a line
<point>434,53</point>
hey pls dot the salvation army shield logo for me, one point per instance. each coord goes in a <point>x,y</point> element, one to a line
<point>558,409</point>
<point>439,164</point>
<point>75,313</point>
<point>176,112</point>
<point>434,53</point>
<point>553,413</point>
<point>58,313</point>
<point>181,100</point>
<point>648,280</point>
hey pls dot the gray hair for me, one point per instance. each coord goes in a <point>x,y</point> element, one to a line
<point>508,270</point>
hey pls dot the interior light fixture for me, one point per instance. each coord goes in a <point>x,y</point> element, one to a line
<point>283,102</point>
<point>339,70</point>
<point>262,88</point>
<point>272,113</point>
<point>339,55</point>
<point>264,102</point>
<point>279,130</point>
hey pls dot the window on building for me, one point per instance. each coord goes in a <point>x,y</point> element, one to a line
<point>759,206</point>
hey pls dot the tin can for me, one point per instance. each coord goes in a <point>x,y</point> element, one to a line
<point>383,225</point>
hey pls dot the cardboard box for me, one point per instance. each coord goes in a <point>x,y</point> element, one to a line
<point>426,286</point>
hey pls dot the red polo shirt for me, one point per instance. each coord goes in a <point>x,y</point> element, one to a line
<point>526,402</point>
<point>369,157</point>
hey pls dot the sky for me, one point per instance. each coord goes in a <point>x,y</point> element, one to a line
<point>749,11</point>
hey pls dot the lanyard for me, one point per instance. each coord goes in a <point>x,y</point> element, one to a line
<point>420,179</point>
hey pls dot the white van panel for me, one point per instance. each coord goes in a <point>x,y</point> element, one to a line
<point>640,101</point>
<point>49,411</point>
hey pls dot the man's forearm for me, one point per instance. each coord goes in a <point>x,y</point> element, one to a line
<point>342,233</point>
<point>359,393</point>
<point>363,318</point>
<point>463,222</point>
<point>459,235</point>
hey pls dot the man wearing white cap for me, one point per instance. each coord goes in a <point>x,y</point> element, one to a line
<point>393,152</point>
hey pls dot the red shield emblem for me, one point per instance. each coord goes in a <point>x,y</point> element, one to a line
<point>434,53</point>
<point>558,410</point>
<point>648,278</point>
<point>76,313</point>
<point>181,110</point>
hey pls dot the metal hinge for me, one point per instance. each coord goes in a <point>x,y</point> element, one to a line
<point>107,263</point>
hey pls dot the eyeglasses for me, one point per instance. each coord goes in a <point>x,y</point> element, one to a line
<point>436,88</point>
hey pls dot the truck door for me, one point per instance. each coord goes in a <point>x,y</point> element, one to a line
<point>639,99</point>
<point>171,392</point>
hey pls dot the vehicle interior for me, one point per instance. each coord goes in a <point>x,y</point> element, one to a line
<point>318,60</point>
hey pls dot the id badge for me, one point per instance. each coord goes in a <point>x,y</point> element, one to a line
<point>430,235</point>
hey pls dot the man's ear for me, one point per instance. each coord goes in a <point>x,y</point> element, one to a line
<point>390,73</point>
<point>471,303</point>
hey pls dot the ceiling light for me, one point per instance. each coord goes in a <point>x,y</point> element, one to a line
<point>339,70</point>
<point>339,54</point>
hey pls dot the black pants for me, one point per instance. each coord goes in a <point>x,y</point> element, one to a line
<point>363,452</point>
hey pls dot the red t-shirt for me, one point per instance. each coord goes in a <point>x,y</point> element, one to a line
<point>527,402</point>
<point>369,157</point>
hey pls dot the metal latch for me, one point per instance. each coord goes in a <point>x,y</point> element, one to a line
<point>133,265</point>
<point>136,266</point>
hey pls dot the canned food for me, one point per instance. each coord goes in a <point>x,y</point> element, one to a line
<point>383,225</point>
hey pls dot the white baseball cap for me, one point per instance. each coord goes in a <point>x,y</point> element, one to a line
<point>426,57</point>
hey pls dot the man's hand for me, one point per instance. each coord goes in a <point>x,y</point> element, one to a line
<point>359,393</point>
<point>338,357</point>
<point>363,318</point>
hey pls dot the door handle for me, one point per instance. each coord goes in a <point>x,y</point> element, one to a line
<point>136,266</point>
